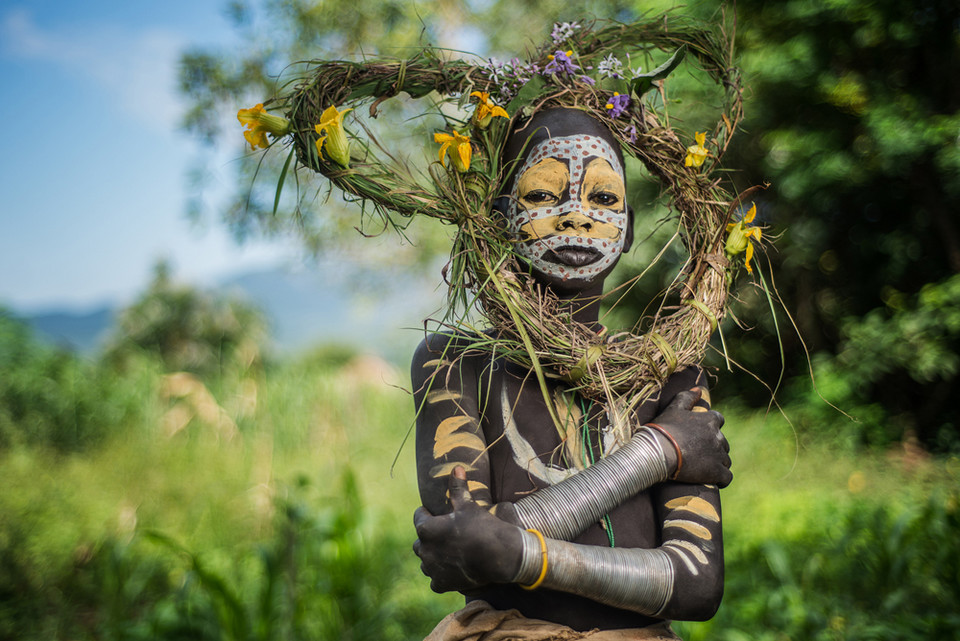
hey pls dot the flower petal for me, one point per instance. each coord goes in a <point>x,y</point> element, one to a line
<point>328,117</point>
<point>256,137</point>
<point>250,116</point>
<point>465,152</point>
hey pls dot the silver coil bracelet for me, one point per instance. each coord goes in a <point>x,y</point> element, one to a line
<point>564,510</point>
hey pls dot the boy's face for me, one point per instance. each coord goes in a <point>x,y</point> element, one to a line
<point>567,212</point>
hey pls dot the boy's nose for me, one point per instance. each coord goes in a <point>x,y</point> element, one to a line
<point>574,223</point>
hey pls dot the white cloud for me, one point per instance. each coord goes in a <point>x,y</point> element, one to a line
<point>136,69</point>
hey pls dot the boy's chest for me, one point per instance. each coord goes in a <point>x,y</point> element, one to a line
<point>533,445</point>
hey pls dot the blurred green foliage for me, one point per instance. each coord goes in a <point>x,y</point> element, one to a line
<point>51,397</point>
<point>895,372</point>
<point>326,572</point>
<point>855,572</point>
<point>297,529</point>
<point>188,330</point>
<point>850,119</point>
<point>295,525</point>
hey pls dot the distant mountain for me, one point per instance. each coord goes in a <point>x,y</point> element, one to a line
<point>315,306</point>
<point>305,307</point>
<point>78,331</point>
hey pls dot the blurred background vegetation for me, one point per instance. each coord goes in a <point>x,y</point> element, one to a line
<point>186,483</point>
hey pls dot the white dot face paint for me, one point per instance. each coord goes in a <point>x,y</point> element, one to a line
<point>567,211</point>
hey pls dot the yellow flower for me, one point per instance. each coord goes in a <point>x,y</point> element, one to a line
<point>697,154</point>
<point>333,138</point>
<point>259,123</point>
<point>460,144</point>
<point>740,236</point>
<point>486,110</point>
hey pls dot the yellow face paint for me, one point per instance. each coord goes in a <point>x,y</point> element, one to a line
<point>602,189</point>
<point>568,213</point>
<point>544,183</point>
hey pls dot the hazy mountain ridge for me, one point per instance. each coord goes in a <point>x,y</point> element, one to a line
<point>303,308</point>
<point>79,331</point>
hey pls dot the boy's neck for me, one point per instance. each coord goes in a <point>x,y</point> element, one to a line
<point>584,304</point>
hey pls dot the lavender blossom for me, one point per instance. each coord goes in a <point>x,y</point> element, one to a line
<point>523,71</point>
<point>496,70</point>
<point>617,104</point>
<point>631,132</point>
<point>561,62</point>
<point>509,77</point>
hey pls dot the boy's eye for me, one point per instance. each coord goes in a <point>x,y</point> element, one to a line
<point>540,196</point>
<point>604,198</point>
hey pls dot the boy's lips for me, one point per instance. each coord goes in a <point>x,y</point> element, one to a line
<point>573,256</point>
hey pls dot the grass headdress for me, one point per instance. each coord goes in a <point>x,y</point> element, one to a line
<point>584,67</point>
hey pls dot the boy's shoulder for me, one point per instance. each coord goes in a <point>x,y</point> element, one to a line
<point>442,348</point>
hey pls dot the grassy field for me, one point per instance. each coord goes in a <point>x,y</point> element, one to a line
<point>293,520</point>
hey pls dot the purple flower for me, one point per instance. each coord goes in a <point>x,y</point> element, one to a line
<point>617,104</point>
<point>631,132</point>
<point>560,62</point>
<point>508,77</point>
<point>587,80</point>
<point>495,70</point>
<point>524,72</point>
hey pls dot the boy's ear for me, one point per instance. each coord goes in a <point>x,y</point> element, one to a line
<point>501,204</point>
<point>628,235</point>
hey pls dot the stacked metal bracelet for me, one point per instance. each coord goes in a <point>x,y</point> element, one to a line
<point>630,578</point>
<point>564,510</point>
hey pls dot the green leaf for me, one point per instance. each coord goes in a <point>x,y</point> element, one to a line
<point>526,94</point>
<point>283,177</point>
<point>619,85</point>
<point>643,82</point>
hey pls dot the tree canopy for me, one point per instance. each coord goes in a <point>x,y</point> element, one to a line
<point>853,123</point>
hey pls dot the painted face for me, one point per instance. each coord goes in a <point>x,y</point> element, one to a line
<point>567,210</point>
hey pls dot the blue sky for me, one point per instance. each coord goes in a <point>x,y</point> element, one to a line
<point>93,173</point>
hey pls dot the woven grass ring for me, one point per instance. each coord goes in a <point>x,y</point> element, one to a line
<point>582,70</point>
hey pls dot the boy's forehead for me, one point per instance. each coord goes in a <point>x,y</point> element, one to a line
<point>553,123</point>
<point>576,149</point>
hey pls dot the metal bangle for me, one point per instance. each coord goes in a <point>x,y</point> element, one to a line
<point>531,563</point>
<point>564,510</point>
<point>676,446</point>
<point>631,578</point>
<point>543,559</point>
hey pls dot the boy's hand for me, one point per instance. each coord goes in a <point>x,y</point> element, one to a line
<point>467,548</point>
<point>705,451</point>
